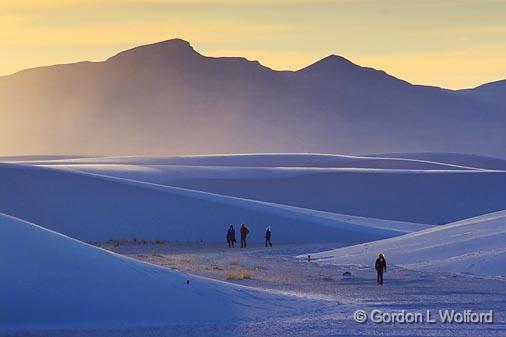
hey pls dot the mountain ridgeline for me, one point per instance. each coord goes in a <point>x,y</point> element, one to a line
<point>168,98</point>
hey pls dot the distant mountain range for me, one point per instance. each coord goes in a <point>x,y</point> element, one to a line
<point>166,98</point>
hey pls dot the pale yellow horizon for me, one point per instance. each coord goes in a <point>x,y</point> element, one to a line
<point>451,44</point>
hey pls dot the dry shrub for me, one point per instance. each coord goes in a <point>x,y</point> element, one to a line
<point>238,275</point>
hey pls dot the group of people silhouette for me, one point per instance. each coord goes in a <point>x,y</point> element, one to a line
<point>244,231</point>
<point>380,265</point>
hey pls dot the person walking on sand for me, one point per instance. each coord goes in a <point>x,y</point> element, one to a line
<point>244,234</point>
<point>381,266</point>
<point>231,236</point>
<point>268,236</point>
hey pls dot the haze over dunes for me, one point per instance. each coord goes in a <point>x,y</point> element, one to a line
<point>168,98</point>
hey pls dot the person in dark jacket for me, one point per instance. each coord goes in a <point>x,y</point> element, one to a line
<point>268,236</point>
<point>244,234</point>
<point>231,236</point>
<point>381,266</point>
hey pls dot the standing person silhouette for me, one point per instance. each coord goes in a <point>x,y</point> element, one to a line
<point>244,234</point>
<point>231,236</point>
<point>268,236</point>
<point>381,266</point>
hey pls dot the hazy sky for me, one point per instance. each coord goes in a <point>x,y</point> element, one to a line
<point>449,43</point>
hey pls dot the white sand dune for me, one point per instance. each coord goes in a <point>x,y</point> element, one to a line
<point>92,207</point>
<point>475,245</point>
<point>459,159</point>
<point>49,280</point>
<point>258,160</point>
<point>419,191</point>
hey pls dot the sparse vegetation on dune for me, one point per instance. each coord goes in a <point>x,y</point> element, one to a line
<point>238,275</point>
<point>113,243</point>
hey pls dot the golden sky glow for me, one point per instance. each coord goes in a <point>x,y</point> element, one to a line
<point>449,43</point>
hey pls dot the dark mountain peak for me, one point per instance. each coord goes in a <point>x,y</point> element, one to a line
<point>175,42</point>
<point>336,60</point>
<point>336,68</point>
<point>173,48</point>
<point>330,63</point>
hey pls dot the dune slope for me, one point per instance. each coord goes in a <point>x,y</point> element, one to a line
<point>426,190</point>
<point>473,245</point>
<point>58,282</point>
<point>257,160</point>
<point>91,207</point>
